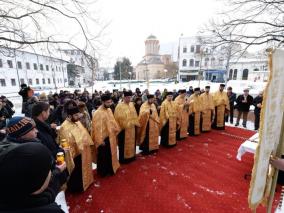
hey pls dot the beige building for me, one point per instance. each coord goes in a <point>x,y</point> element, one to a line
<point>153,64</point>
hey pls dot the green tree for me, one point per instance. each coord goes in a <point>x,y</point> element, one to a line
<point>106,75</point>
<point>125,67</point>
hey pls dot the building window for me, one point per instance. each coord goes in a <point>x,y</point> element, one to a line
<point>206,62</point>
<point>35,66</point>
<point>58,80</point>
<point>47,67</point>
<point>213,61</point>
<point>19,65</point>
<point>192,49</point>
<point>10,63</point>
<point>184,50</point>
<point>235,74</point>
<point>56,68</point>
<point>256,69</point>
<point>28,66</point>
<point>221,61</point>
<point>48,80</point>
<point>54,80</point>
<point>41,67</point>
<point>2,82</point>
<point>191,62</point>
<point>231,74</point>
<point>197,63</point>
<point>1,64</point>
<point>72,52</point>
<point>22,81</point>
<point>184,63</point>
<point>198,48</point>
<point>30,81</point>
<point>245,74</point>
<point>43,81</point>
<point>13,82</point>
<point>37,81</point>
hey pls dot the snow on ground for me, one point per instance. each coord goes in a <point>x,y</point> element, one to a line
<point>237,85</point>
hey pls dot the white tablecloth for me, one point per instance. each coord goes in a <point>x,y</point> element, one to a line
<point>248,146</point>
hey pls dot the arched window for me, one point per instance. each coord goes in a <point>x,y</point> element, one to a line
<point>235,74</point>
<point>231,74</point>
<point>245,74</point>
<point>191,62</point>
<point>184,63</point>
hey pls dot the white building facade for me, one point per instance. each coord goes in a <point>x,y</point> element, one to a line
<point>253,69</point>
<point>38,71</point>
<point>197,61</point>
<point>78,58</point>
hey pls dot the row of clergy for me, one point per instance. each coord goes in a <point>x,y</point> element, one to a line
<point>125,129</point>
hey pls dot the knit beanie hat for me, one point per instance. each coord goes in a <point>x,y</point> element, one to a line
<point>24,168</point>
<point>19,126</point>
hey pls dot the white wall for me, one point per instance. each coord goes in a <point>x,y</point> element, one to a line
<point>57,70</point>
<point>251,65</point>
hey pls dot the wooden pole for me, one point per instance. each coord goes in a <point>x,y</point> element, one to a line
<point>274,180</point>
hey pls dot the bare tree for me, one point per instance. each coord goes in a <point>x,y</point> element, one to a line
<point>249,23</point>
<point>49,25</point>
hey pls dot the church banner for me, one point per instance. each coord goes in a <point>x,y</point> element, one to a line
<point>269,134</point>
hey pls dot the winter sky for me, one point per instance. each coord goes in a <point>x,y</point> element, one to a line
<point>131,21</point>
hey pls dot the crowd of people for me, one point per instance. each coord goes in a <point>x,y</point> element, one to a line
<point>88,128</point>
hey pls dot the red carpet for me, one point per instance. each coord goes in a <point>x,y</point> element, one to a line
<point>200,174</point>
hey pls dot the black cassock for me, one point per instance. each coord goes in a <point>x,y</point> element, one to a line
<point>104,161</point>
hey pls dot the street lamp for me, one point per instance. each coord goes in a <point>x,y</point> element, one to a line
<point>119,60</point>
<point>165,71</point>
<point>130,73</point>
<point>178,76</point>
<point>147,73</point>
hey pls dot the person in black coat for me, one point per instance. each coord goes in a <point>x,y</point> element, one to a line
<point>232,98</point>
<point>46,134</point>
<point>22,130</point>
<point>25,179</point>
<point>257,102</point>
<point>26,92</point>
<point>243,105</point>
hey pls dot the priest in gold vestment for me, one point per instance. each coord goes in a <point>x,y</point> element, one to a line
<point>169,121</point>
<point>148,132</point>
<point>222,107</point>
<point>183,107</point>
<point>194,117</point>
<point>104,133</point>
<point>80,156</point>
<point>126,116</point>
<point>208,111</point>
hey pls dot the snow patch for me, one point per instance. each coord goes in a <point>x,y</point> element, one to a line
<point>97,184</point>
<point>183,201</point>
<point>229,156</point>
<point>164,168</point>
<point>220,193</point>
